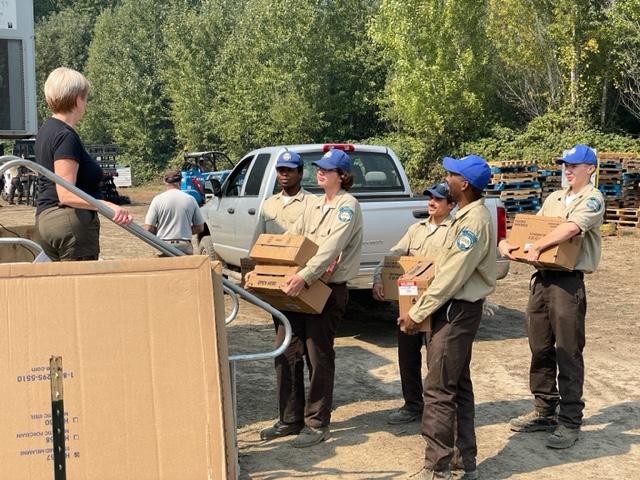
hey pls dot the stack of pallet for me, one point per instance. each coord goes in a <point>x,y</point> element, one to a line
<point>618,180</point>
<point>610,177</point>
<point>515,182</point>
<point>631,183</point>
<point>551,180</point>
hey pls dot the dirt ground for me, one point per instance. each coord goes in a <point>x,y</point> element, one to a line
<point>367,386</point>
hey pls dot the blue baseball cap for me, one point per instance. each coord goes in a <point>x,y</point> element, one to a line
<point>579,154</point>
<point>289,159</point>
<point>334,158</point>
<point>474,169</point>
<point>441,190</point>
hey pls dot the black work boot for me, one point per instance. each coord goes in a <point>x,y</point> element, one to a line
<point>310,436</point>
<point>534,422</point>
<point>563,437</point>
<point>280,429</point>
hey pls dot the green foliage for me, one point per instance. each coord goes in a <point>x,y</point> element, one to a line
<point>503,78</point>
<point>128,105</point>
<point>62,40</point>
<point>437,54</point>
<point>266,91</point>
<point>349,69</point>
<point>544,139</point>
<point>194,38</point>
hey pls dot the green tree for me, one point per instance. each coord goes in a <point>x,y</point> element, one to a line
<point>548,55</point>
<point>44,8</point>
<point>62,39</point>
<point>128,104</point>
<point>625,36</point>
<point>350,70</point>
<point>194,36</point>
<point>267,91</point>
<point>437,58</point>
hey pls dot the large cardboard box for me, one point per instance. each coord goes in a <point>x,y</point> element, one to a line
<point>17,253</point>
<point>392,269</point>
<point>268,281</point>
<point>527,229</point>
<point>146,374</point>
<point>412,285</point>
<point>283,249</point>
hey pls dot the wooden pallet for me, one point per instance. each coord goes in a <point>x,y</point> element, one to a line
<point>617,155</point>
<point>510,177</point>
<point>625,223</point>
<point>512,163</point>
<point>504,194</point>
<point>631,165</point>
<point>610,170</point>
<point>622,218</point>
<point>623,211</point>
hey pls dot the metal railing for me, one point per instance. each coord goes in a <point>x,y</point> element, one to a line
<point>10,161</point>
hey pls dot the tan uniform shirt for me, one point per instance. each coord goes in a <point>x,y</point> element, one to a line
<point>586,210</point>
<point>337,229</point>
<point>418,241</point>
<point>277,216</point>
<point>466,267</point>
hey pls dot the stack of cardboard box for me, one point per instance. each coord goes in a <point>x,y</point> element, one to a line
<point>276,258</point>
<point>405,279</point>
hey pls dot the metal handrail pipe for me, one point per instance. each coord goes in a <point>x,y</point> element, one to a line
<point>9,161</point>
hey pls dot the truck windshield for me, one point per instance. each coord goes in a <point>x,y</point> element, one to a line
<point>372,172</point>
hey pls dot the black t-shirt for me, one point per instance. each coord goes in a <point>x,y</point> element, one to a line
<point>55,141</point>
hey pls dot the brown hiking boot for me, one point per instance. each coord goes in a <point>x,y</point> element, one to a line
<point>563,437</point>
<point>534,422</point>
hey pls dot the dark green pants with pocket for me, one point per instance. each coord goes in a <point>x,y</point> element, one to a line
<point>69,234</point>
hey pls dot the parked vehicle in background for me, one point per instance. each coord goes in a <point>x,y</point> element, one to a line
<point>381,186</point>
<point>199,168</point>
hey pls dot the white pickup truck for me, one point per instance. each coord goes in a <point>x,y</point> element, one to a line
<point>381,186</point>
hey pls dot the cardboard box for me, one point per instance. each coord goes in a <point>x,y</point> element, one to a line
<point>527,229</point>
<point>283,249</point>
<point>392,269</point>
<point>267,283</point>
<point>412,285</point>
<point>146,372</point>
<point>17,253</point>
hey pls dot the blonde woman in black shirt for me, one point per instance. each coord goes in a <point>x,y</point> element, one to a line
<point>68,226</point>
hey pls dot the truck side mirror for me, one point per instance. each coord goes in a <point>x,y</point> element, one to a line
<point>216,187</point>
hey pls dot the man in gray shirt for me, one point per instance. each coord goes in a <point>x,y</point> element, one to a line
<point>174,215</point>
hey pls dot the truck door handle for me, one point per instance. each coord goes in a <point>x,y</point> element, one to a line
<point>230,210</point>
<point>252,211</point>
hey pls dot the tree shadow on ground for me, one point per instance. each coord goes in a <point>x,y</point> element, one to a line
<point>603,435</point>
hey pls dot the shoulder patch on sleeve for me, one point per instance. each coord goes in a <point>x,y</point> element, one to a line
<point>466,239</point>
<point>345,214</point>
<point>593,204</point>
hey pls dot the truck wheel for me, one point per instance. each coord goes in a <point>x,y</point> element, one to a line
<point>205,247</point>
